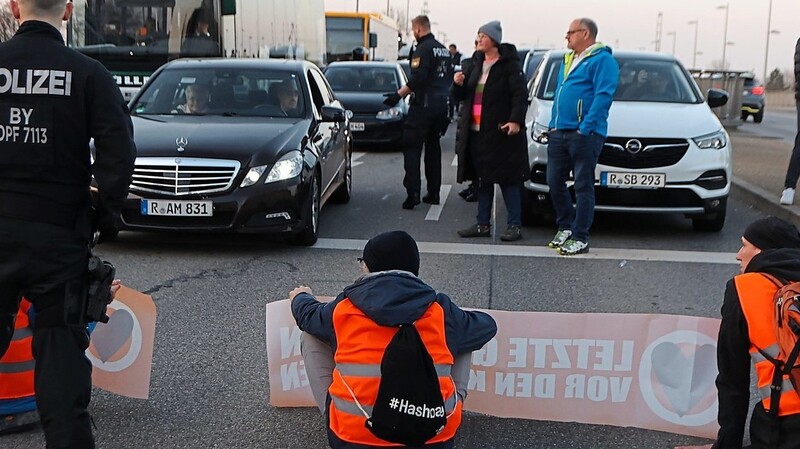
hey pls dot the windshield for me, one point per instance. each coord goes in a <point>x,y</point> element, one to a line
<point>134,28</point>
<point>343,34</point>
<point>362,79</point>
<point>640,80</point>
<point>216,91</point>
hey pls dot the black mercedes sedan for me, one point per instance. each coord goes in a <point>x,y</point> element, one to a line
<point>361,86</point>
<point>238,145</point>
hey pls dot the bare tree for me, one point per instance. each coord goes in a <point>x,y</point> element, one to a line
<point>8,25</point>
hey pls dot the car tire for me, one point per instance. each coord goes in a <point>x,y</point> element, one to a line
<point>310,233</point>
<point>530,217</point>
<point>744,116</point>
<point>108,235</point>
<point>343,193</point>
<point>759,117</point>
<point>711,222</point>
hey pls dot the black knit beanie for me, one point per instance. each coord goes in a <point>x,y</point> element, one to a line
<point>393,250</point>
<point>772,233</point>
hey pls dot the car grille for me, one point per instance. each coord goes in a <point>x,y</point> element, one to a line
<point>622,152</point>
<point>183,176</point>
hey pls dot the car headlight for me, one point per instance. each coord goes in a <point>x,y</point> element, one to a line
<point>714,141</point>
<point>253,176</point>
<point>540,133</point>
<point>390,113</point>
<point>287,167</point>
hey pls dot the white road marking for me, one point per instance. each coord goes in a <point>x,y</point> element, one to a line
<point>475,249</point>
<point>385,197</point>
<point>436,209</point>
<point>455,161</point>
<point>355,158</point>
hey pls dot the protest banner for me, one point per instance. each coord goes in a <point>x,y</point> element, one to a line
<point>640,370</point>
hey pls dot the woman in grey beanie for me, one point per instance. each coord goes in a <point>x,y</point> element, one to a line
<point>490,142</point>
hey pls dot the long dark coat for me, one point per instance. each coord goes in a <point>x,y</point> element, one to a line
<point>501,158</point>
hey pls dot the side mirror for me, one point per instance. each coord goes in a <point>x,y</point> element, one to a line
<point>716,98</point>
<point>373,40</point>
<point>333,114</point>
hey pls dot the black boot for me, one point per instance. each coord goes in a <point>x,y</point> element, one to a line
<point>411,201</point>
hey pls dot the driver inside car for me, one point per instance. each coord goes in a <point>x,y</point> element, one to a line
<point>196,101</point>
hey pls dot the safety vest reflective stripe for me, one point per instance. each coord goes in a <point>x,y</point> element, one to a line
<point>772,351</point>
<point>16,367</point>
<point>374,370</point>
<point>22,333</point>
<point>786,387</point>
<point>756,294</point>
<point>350,407</point>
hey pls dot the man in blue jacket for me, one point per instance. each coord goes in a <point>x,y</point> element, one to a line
<point>389,292</point>
<point>587,81</point>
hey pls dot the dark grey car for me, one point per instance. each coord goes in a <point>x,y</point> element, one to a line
<point>753,99</point>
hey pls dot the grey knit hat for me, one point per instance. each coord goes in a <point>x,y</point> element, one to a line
<point>493,30</point>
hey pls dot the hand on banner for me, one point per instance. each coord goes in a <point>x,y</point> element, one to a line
<point>298,290</point>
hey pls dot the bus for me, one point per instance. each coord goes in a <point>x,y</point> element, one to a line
<point>132,38</point>
<point>346,31</point>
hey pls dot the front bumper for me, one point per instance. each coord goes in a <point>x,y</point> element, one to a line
<point>696,184</point>
<point>378,131</point>
<point>261,208</point>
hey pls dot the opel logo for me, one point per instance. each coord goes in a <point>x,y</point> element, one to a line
<point>181,142</point>
<point>633,146</point>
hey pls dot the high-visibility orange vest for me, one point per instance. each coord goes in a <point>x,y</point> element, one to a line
<point>360,347</point>
<point>756,294</point>
<point>16,366</point>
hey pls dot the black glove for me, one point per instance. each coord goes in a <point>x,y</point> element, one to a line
<point>392,99</point>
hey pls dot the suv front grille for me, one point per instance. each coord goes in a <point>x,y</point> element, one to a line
<point>630,152</point>
<point>183,176</point>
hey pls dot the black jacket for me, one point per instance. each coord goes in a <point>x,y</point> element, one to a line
<point>733,360</point>
<point>431,72</point>
<point>502,158</point>
<point>60,99</point>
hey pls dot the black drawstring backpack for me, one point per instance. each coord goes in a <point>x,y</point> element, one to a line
<point>409,408</point>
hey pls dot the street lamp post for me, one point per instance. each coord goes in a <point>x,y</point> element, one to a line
<point>727,8</point>
<point>766,50</point>
<point>674,35</point>
<point>696,24</point>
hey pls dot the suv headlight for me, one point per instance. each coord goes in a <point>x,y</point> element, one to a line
<point>540,133</point>
<point>253,176</point>
<point>715,141</point>
<point>390,113</point>
<point>287,167</point>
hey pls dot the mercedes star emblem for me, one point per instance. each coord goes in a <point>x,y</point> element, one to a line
<point>181,142</point>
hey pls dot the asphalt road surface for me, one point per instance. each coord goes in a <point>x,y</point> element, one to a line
<point>209,386</point>
<point>779,124</point>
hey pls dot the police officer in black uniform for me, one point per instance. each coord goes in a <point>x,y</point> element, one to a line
<point>431,76</point>
<point>52,101</point>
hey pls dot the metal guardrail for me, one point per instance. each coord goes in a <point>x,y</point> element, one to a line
<point>730,81</point>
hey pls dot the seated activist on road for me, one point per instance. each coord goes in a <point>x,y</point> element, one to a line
<point>769,257</point>
<point>384,329</point>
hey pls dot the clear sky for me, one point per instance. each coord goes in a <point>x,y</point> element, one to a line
<point>624,24</point>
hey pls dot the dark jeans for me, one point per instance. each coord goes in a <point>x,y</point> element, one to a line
<point>569,150</point>
<point>424,126</point>
<point>512,193</point>
<point>793,172</point>
<point>47,264</point>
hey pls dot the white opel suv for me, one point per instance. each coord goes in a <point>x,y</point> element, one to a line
<point>666,151</point>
